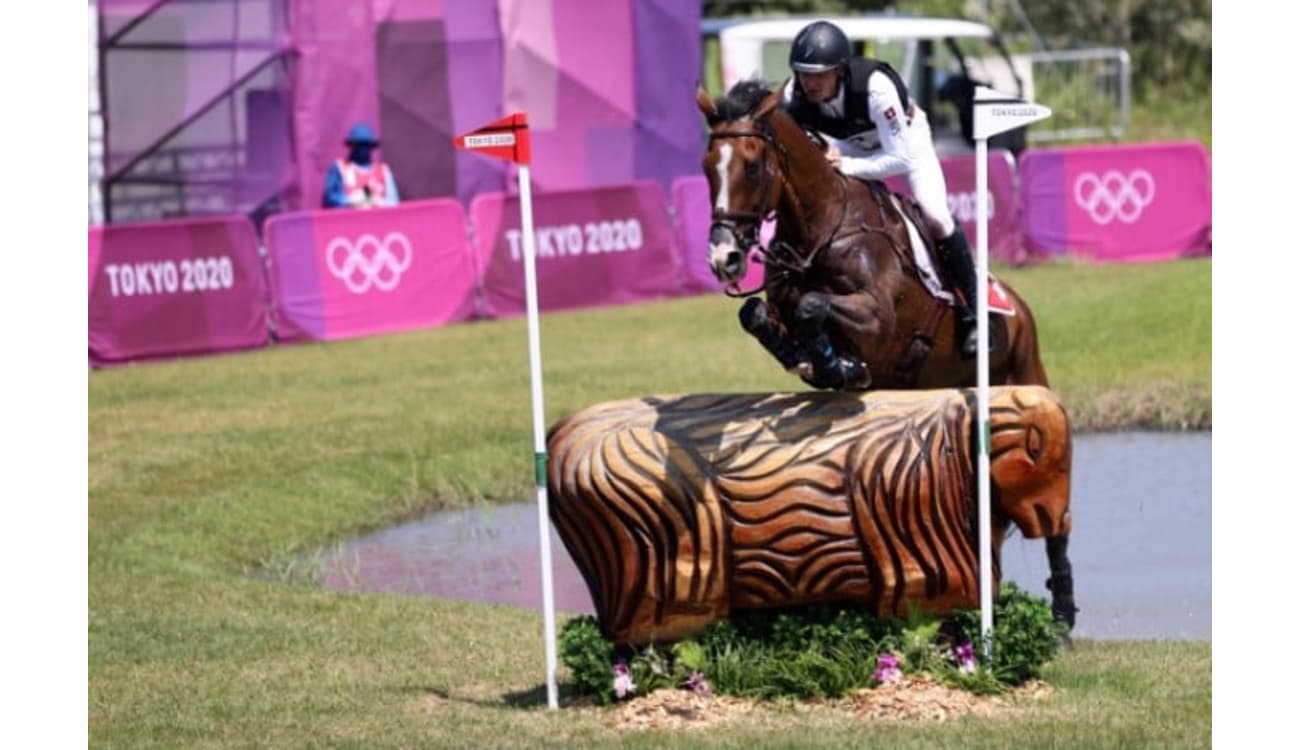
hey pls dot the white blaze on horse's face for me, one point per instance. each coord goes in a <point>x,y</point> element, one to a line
<point>726,259</point>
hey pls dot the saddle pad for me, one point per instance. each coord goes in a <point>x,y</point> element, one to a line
<point>999,301</point>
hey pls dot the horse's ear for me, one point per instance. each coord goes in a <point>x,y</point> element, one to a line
<point>707,107</point>
<point>769,103</point>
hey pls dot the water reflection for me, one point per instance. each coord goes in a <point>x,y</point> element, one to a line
<point>1140,547</point>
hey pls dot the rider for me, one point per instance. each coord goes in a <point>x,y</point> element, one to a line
<point>874,130</point>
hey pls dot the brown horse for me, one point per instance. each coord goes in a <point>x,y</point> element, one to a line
<point>846,306</point>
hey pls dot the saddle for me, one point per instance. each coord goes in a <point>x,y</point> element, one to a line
<point>921,263</point>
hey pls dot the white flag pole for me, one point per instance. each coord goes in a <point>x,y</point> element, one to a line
<point>539,432</point>
<point>994,113</point>
<point>982,391</point>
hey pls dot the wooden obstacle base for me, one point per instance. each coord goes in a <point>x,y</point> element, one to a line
<point>679,510</point>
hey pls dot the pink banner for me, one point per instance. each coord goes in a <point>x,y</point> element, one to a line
<point>1005,243</point>
<point>607,246</point>
<point>1129,203</point>
<point>96,245</point>
<point>344,273</point>
<point>172,288</point>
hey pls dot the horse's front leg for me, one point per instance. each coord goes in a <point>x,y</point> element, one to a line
<point>757,318</point>
<point>831,369</point>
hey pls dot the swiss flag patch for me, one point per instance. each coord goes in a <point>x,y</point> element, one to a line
<point>890,114</point>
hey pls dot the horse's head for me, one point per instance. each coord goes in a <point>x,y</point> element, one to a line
<point>743,168</point>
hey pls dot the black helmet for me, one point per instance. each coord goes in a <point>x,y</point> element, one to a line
<point>818,47</point>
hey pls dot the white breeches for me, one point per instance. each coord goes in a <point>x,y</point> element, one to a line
<point>927,184</point>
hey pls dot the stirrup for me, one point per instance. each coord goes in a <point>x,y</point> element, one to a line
<point>969,347</point>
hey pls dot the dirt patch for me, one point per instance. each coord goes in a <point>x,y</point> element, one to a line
<point>914,698</point>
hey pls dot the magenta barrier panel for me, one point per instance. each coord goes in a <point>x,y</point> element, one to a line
<point>694,215</point>
<point>96,244</point>
<point>172,288</point>
<point>607,246</point>
<point>1005,243</point>
<point>344,273</point>
<point>1130,203</point>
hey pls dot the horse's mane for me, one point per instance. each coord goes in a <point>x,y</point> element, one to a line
<point>742,99</point>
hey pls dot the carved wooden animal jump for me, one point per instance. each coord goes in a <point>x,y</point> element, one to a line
<point>680,510</point>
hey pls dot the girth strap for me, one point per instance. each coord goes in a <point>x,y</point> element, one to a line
<point>908,365</point>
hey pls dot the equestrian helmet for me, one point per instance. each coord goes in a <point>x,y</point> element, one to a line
<point>361,134</point>
<point>818,47</point>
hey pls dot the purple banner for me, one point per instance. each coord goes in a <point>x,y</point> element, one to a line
<point>173,288</point>
<point>344,273</point>
<point>694,215</point>
<point>608,88</point>
<point>1130,203</point>
<point>1005,243</point>
<point>594,247</point>
<point>334,86</point>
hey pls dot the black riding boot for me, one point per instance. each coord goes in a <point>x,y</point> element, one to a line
<point>959,269</point>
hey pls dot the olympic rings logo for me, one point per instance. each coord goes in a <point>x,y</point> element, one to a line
<point>369,262</point>
<point>1114,195</point>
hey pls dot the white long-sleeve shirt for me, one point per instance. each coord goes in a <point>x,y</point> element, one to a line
<point>900,144</point>
<point>894,146</point>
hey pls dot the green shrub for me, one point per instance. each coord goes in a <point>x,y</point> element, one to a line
<point>589,657</point>
<point>819,651</point>
<point>1024,635</point>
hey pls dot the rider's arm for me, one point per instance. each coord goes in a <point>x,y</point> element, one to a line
<point>890,116</point>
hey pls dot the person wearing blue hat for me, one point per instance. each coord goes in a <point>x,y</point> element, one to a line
<point>360,180</point>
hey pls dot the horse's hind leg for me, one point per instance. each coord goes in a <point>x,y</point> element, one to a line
<point>830,370</point>
<point>756,319</point>
<point>1061,582</point>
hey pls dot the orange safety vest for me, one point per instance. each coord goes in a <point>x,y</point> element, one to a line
<point>356,180</point>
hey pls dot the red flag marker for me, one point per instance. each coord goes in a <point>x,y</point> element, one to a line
<point>506,138</point>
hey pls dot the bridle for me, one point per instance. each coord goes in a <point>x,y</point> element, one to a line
<point>729,220</point>
<point>781,257</point>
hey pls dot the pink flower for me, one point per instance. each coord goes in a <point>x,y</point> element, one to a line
<point>887,669</point>
<point>623,685</point>
<point>698,685</point>
<point>965,655</point>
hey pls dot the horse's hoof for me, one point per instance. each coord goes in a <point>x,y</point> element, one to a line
<point>856,375</point>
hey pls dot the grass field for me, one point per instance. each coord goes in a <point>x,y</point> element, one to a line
<point>202,471</point>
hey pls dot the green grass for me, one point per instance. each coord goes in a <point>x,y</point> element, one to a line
<point>203,471</point>
<point>1170,115</point>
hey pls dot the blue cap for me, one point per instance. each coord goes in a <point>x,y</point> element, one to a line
<point>361,133</point>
